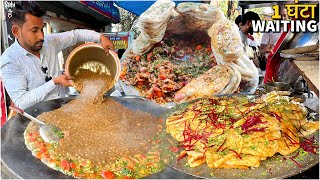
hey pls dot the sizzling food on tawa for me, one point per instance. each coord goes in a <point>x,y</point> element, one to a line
<point>86,81</point>
<point>102,139</point>
<point>234,132</point>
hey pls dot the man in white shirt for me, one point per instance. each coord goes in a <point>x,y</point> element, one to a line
<point>246,27</point>
<point>30,67</point>
<point>269,39</point>
<point>246,31</point>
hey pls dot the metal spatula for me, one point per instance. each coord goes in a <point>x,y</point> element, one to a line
<point>48,132</point>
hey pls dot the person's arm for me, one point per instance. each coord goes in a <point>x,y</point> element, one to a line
<point>70,38</point>
<point>265,47</point>
<point>16,85</point>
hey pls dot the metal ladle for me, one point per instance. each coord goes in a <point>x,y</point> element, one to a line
<point>48,132</point>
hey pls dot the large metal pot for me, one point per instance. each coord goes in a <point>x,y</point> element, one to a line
<point>93,57</point>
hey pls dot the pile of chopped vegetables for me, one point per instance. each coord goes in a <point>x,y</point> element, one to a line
<point>172,63</point>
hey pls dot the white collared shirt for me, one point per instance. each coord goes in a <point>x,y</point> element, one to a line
<point>22,72</point>
<point>270,38</point>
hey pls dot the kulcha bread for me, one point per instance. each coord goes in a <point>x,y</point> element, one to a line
<point>141,45</point>
<point>190,17</point>
<point>212,82</point>
<point>153,22</point>
<point>225,40</point>
<point>228,49</point>
<point>234,82</point>
<point>200,11</point>
<point>157,13</point>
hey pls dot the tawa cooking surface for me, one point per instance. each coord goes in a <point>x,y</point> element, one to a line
<point>22,164</point>
<point>20,161</point>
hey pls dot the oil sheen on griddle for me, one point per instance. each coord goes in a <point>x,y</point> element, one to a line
<point>101,130</point>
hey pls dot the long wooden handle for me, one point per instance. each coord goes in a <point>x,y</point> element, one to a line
<point>16,109</point>
<point>20,111</point>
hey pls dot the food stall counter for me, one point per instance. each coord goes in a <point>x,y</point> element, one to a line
<point>310,72</point>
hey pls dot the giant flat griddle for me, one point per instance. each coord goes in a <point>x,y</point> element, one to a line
<point>21,163</point>
<point>277,166</point>
<point>19,160</point>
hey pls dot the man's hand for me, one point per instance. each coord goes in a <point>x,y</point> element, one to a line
<point>63,80</point>
<point>106,44</point>
<point>264,48</point>
<point>269,48</point>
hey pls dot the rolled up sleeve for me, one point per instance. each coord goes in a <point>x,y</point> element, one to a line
<point>70,38</point>
<point>265,39</point>
<point>16,85</point>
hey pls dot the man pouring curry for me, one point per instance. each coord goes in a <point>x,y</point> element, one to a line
<point>30,67</point>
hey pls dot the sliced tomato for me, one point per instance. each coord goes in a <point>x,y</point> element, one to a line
<point>162,77</point>
<point>39,155</point>
<point>142,156</point>
<point>76,174</point>
<point>140,83</point>
<point>106,174</point>
<point>38,144</point>
<point>155,89</point>
<point>43,149</point>
<point>199,47</point>
<point>149,96</point>
<point>32,139</point>
<point>158,94</point>
<point>127,177</point>
<point>174,149</point>
<point>83,163</point>
<point>51,160</point>
<point>170,87</point>
<point>65,165</point>
<point>72,165</point>
<point>149,56</point>
<point>46,155</point>
<point>123,74</point>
